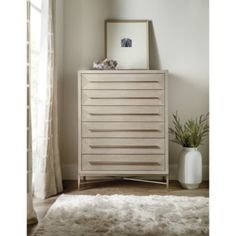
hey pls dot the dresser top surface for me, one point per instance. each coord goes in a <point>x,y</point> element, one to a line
<point>123,71</point>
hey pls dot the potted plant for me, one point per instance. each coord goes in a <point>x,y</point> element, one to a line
<point>190,135</point>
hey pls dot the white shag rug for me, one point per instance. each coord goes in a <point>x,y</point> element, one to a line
<point>120,215</point>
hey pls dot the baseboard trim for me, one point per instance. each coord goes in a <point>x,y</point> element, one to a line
<point>70,172</point>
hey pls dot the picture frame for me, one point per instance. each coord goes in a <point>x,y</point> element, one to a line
<point>127,42</point>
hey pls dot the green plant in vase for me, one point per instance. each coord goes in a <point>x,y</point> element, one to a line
<point>190,136</point>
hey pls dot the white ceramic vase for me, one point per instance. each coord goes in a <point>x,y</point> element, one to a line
<point>190,168</point>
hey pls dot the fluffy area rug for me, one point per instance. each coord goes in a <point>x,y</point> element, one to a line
<point>120,215</point>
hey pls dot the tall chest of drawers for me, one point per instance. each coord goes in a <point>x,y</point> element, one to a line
<point>122,123</point>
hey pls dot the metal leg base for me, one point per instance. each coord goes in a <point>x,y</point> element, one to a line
<point>166,182</point>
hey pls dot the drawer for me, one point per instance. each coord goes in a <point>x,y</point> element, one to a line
<point>123,162</point>
<point>122,129</point>
<point>122,113</point>
<point>123,81</point>
<point>122,146</point>
<point>123,97</point>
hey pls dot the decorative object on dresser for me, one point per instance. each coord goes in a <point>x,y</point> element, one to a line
<point>105,65</point>
<point>190,136</point>
<point>127,42</point>
<point>123,123</point>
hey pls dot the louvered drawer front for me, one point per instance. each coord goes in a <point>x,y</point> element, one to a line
<point>122,162</point>
<point>122,129</point>
<point>123,122</point>
<point>122,146</point>
<point>122,81</point>
<point>122,113</point>
<point>123,97</point>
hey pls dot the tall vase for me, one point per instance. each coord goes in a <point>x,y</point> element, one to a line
<point>190,168</point>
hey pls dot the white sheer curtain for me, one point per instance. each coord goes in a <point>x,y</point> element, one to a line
<point>31,215</point>
<point>46,161</point>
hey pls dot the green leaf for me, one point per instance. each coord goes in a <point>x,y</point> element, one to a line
<point>192,133</point>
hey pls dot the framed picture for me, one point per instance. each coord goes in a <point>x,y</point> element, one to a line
<point>127,42</point>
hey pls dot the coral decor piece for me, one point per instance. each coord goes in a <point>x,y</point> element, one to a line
<point>105,65</point>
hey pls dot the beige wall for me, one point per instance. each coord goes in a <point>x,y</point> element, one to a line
<point>178,42</point>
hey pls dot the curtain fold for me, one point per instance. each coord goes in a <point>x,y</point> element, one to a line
<point>31,215</point>
<point>46,159</point>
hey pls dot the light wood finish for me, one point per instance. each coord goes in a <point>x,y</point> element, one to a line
<point>122,113</point>
<point>122,146</point>
<point>123,162</point>
<point>123,97</point>
<point>125,81</point>
<point>123,127</point>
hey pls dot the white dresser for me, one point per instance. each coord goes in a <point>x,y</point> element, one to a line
<point>123,123</point>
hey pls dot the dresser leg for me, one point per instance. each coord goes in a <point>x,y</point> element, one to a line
<point>78,182</point>
<point>167,182</point>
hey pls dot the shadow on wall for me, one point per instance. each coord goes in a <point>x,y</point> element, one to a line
<point>154,56</point>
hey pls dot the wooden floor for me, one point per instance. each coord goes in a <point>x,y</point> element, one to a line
<point>116,187</point>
